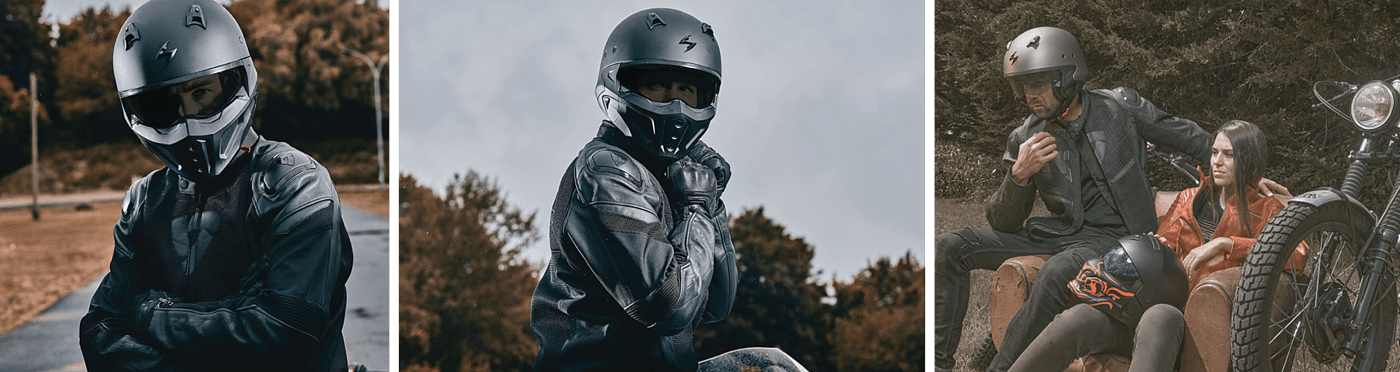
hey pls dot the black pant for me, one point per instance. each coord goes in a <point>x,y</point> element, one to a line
<point>958,252</point>
<point>1154,342</point>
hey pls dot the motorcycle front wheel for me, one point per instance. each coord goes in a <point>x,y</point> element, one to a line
<point>1288,318</point>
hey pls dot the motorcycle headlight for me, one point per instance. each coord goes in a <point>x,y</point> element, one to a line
<point>1373,106</point>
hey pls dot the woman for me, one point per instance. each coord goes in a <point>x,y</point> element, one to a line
<point>1205,228</point>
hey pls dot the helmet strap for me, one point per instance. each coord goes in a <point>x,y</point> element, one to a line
<point>1063,109</point>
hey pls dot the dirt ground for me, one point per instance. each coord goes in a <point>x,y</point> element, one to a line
<point>40,261</point>
<point>953,214</point>
<point>368,200</point>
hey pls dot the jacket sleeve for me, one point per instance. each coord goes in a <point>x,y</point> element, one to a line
<point>106,341</point>
<point>281,311</point>
<point>659,278</point>
<point>725,281</point>
<point>1010,205</point>
<point>1160,127</point>
<point>1171,225</point>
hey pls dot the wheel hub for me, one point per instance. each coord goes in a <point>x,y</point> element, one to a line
<point>1328,323</point>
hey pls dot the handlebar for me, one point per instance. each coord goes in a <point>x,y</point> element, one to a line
<point>1176,161</point>
<point>1347,90</point>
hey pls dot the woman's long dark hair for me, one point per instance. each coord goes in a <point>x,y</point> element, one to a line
<point>1251,158</point>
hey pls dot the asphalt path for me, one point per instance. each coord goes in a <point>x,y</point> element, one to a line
<point>49,342</point>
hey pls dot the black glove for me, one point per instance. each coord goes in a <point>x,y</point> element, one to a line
<point>692,184</point>
<point>139,317</point>
<point>706,155</point>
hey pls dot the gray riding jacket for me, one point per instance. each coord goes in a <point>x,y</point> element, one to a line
<point>629,278</point>
<point>254,266</point>
<point>1118,124</point>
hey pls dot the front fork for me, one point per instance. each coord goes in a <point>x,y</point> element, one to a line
<point>1378,255</point>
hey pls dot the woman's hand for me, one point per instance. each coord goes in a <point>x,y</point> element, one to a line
<point>1212,251</point>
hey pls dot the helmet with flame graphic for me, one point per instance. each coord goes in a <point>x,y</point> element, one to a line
<point>1132,277</point>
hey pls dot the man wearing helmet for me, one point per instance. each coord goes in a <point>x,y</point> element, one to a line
<point>234,256</point>
<point>1083,152</point>
<point>639,239</point>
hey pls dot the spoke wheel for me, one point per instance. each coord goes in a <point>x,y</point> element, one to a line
<point>1289,318</point>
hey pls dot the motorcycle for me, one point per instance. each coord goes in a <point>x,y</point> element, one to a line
<point>1337,311</point>
<point>766,359</point>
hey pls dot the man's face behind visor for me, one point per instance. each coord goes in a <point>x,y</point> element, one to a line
<point>664,85</point>
<point>196,98</point>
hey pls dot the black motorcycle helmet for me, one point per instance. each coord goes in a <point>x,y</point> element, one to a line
<point>659,39</point>
<point>1044,49</point>
<point>1139,273</point>
<point>167,43</point>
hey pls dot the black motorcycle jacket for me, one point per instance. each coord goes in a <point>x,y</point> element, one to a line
<point>245,272</point>
<point>1117,123</point>
<point>629,278</point>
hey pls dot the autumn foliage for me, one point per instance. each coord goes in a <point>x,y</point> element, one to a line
<point>464,294</point>
<point>307,88</point>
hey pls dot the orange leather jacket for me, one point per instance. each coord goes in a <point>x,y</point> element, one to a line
<point>1183,232</point>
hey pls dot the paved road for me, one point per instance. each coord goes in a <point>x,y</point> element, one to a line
<point>49,342</point>
<point>60,200</point>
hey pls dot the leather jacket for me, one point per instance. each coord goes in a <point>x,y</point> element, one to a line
<point>629,278</point>
<point>1183,232</point>
<point>1117,124</point>
<point>249,270</point>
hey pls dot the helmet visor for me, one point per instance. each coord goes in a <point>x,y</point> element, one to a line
<point>665,84</point>
<point>1035,83</point>
<point>196,98</point>
<point>1120,266</point>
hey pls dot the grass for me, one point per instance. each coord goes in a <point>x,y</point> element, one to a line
<point>367,199</point>
<point>41,261</point>
<point>952,214</point>
<point>115,166</point>
<point>111,166</point>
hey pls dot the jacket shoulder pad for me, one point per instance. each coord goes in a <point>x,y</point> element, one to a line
<point>612,161</point>
<point>136,194</point>
<point>1123,95</point>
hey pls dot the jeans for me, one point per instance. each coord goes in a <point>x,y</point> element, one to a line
<point>1154,342</point>
<point>959,252</point>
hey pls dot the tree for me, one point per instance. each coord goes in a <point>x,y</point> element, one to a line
<point>880,324</point>
<point>464,292</point>
<point>778,303</point>
<point>90,110</point>
<point>24,49</point>
<point>307,87</point>
<point>1210,62</point>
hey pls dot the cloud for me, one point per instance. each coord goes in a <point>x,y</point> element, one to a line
<point>820,112</point>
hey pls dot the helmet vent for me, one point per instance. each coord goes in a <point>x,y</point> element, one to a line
<point>132,35</point>
<point>705,28</point>
<point>654,20</point>
<point>1035,43</point>
<point>195,17</point>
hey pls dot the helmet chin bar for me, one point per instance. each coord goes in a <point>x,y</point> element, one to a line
<point>200,149</point>
<point>666,130</point>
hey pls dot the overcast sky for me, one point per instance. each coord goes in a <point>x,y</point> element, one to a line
<point>820,112</point>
